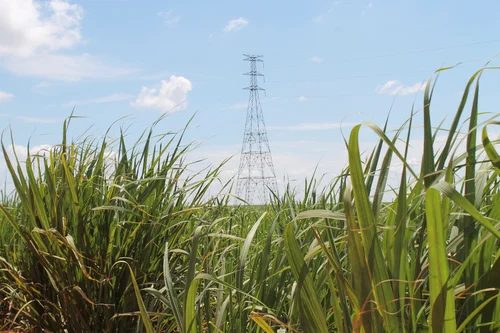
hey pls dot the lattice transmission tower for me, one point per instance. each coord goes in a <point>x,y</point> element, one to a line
<point>256,176</point>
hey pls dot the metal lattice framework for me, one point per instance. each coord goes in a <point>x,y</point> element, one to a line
<point>256,176</point>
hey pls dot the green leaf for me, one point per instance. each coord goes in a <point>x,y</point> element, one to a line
<point>310,311</point>
<point>460,200</point>
<point>171,293</point>
<point>442,302</point>
<point>382,290</point>
<point>148,325</point>
<point>191,326</point>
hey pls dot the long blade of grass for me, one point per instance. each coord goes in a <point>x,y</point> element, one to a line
<point>376,263</point>
<point>146,321</point>
<point>262,323</point>
<point>460,200</point>
<point>310,311</point>
<point>191,311</point>
<point>427,168</point>
<point>171,293</point>
<point>442,302</point>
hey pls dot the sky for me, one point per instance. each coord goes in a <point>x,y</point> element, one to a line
<point>327,65</point>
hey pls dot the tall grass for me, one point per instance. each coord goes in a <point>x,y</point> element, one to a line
<point>102,237</point>
<point>81,214</point>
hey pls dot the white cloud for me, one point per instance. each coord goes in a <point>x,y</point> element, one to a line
<point>302,99</point>
<point>236,24</point>
<point>238,106</point>
<point>317,60</point>
<point>31,31</point>
<point>22,154</point>
<point>117,97</point>
<point>39,120</point>
<point>64,67</point>
<point>395,87</point>
<point>22,151</point>
<point>29,25</point>
<point>310,127</point>
<point>4,96</point>
<point>169,18</point>
<point>170,97</point>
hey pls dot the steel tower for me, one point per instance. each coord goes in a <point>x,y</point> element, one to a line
<point>256,176</point>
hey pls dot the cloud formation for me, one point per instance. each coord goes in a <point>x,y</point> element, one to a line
<point>4,96</point>
<point>236,24</point>
<point>395,87</point>
<point>33,31</point>
<point>27,26</point>
<point>170,97</point>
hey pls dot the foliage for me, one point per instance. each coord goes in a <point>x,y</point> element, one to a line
<point>99,237</point>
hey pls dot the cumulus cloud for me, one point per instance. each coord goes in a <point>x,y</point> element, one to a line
<point>4,96</point>
<point>395,87</point>
<point>236,24</point>
<point>29,25</point>
<point>302,99</point>
<point>171,96</point>
<point>31,33</point>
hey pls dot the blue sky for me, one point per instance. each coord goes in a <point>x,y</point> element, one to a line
<point>325,62</point>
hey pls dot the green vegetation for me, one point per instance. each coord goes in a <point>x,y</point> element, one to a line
<point>129,241</point>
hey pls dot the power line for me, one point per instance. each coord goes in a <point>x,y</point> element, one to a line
<point>381,56</point>
<point>353,77</point>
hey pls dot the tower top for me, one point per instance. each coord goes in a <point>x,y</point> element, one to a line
<point>253,57</point>
<point>253,71</point>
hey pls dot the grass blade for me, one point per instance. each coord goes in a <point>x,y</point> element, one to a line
<point>442,302</point>
<point>310,311</point>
